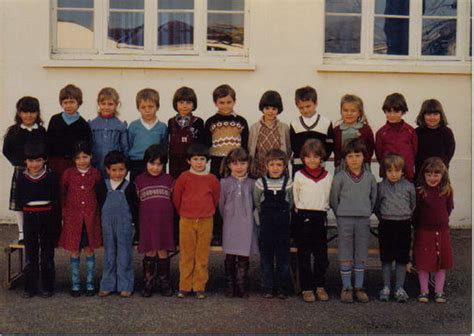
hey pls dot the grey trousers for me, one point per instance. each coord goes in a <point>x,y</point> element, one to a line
<point>353,237</point>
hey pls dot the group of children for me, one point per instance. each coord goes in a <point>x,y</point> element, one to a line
<point>261,209</point>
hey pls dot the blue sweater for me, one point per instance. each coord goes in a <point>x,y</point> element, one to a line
<point>141,138</point>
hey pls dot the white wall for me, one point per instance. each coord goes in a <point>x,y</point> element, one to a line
<point>286,45</point>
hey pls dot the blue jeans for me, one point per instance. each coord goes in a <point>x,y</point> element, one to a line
<point>275,264</point>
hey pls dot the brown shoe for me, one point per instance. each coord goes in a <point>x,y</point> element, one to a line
<point>308,296</point>
<point>321,294</point>
<point>346,295</point>
<point>361,296</point>
<point>125,294</point>
<point>104,293</point>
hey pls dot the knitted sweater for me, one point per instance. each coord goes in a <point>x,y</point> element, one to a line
<point>141,138</point>
<point>311,195</point>
<point>434,142</point>
<point>395,201</point>
<point>273,185</point>
<point>15,140</point>
<point>61,137</point>
<point>225,132</point>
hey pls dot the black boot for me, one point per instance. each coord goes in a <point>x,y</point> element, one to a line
<point>229,267</point>
<point>149,276</point>
<point>164,275</point>
<point>241,276</point>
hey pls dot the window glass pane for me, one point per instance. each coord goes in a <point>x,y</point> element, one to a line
<point>392,7</point>
<point>125,30</point>
<point>229,5</point>
<point>440,7</point>
<point>75,3</point>
<point>126,4</point>
<point>225,32</point>
<point>176,30</point>
<point>391,36</point>
<point>439,37</point>
<point>342,34</point>
<point>75,30</point>
<point>343,6</point>
<point>176,4</point>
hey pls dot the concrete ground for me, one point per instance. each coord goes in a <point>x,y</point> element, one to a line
<point>218,314</point>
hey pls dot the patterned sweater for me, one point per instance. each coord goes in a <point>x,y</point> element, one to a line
<point>225,132</point>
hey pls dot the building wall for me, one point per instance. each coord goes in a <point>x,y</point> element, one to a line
<point>286,46</point>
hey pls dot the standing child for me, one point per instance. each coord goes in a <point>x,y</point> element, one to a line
<point>354,125</point>
<point>353,196</point>
<point>311,190</point>
<point>396,137</point>
<point>432,249</point>
<point>435,138</point>
<point>38,196</point>
<point>268,132</point>
<point>81,216</point>
<point>154,188</point>
<point>195,197</point>
<point>273,199</point>
<point>65,129</point>
<point>118,203</point>
<point>240,233</point>
<point>108,132</point>
<point>28,127</point>
<point>396,200</point>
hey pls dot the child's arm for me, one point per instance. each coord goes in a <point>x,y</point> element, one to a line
<point>244,136</point>
<point>450,203</point>
<point>378,146</point>
<point>286,130</point>
<point>178,192</point>
<point>414,144</point>
<point>329,145</point>
<point>369,144</point>
<point>64,184</point>
<point>206,134</point>
<point>199,129</point>
<point>257,199</point>
<point>101,192</point>
<point>378,201</point>
<point>412,192</point>
<point>335,192</point>
<point>296,189</point>
<point>124,140</point>
<point>131,135</point>
<point>222,198</point>
<point>216,190</point>
<point>132,199</point>
<point>451,145</point>
<point>8,148</point>
<point>373,191</point>
<point>164,139</point>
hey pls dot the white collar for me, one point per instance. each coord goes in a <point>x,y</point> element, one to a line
<point>148,126</point>
<point>30,128</point>
<point>310,120</point>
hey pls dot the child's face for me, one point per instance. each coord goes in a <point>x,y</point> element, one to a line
<point>394,117</point>
<point>432,120</point>
<point>307,108</point>
<point>270,114</point>
<point>312,161</point>
<point>107,107</point>
<point>239,168</point>
<point>198,163</point>
<point>275,168</point>
<point>34,166</point>
<point>354,161</point>
<point>82,160</point>
<point>148,110</point>
<point>225,105</point>
<point>117,171</point>
<point>350,113</point>
<point>394,174</point>
<point>28,118</point>
<point>184,107</point>
<point>70,105</point>
<point>155,167</point>
<point>433,179</point>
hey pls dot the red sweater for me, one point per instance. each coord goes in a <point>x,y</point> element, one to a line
<point>196,196</point>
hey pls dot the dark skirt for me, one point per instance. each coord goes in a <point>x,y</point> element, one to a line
<point>14,204</point>
<point>395,240</point>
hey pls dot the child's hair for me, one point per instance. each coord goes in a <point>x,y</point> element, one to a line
<point>354,146</point>
<point>222,91</point>
<point>70,91</point>
<point>35,150</point>
<point>313,146</point>
<point>271,99</point>
<point>306,93</point>
<point>197,149</point>
<point>108,93</point>
<point>276,154</point>
<point>435,165</point>
<point>114,157</point>
<point>148,94</point>
<point>81,147</point>
<point>156,151</point>
<point>393,161</point>
<point>187,94</point>
<point>357,101</point>
<point>431,106</point>
<point>395,102</point>
<point>238,154</point>
<point>28,104</point>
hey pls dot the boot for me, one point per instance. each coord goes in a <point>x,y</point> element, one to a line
<point>164,275</point>
<point>75,276</point>
<point>149,276</point>
<point>241,276</point>
<point>229,267</point>
<point>90,268</point>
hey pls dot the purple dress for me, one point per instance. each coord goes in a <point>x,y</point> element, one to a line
<point>155,212</point>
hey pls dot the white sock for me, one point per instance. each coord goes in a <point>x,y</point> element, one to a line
<point>19,220</point>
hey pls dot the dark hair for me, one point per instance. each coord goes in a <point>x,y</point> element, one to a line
<point>431,106</point>
<point>271,99</point>
<point>354,146</point>
<point>395,102</point>
<point>313,146</point>
<point>148,94</point>
<point>156,151</point>
<point>197,149</point>
<point>222,91</point>
<point>70,91</point>
<point>81,147</point>
<point>28,104</point>
<point>306,93</point>
<point>114,157</point>
<point>187,94</point>
<point>35,150</point>
<point>434,165</point>
<point>236,154</point>
<point>393,161</point>
<point>276,154</point>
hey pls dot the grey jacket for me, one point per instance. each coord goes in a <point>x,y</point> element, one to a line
<point>395,201</point>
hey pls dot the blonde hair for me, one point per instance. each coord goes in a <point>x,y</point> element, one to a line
<point>435,165</point>
<point>148,94</point>
<point>109,93</point>
<point>393,161</point>
<point>357,101</point>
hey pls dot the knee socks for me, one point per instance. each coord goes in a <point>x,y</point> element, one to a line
<point>90,267</point>
<point>387,274</point>
<point>400,270</point>
<point>75,273</point>
<point>346,274</point>
<point>359,270</point>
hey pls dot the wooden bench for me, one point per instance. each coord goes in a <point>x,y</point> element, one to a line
<point>14,273</point>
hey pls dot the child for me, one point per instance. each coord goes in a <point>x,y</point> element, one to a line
<point>38,196</point>
<point>311,190</point>
<point>396,200</point>
<point>432,249</point>
<point>273,199</point>
<point>81,217</point>
<point>354,125</point>
<point>195,197</point>
<point>396,137</point>
<point>268,132</point>
<point>65,129</point>
<point>184,129</point>
<point>118,201</point>
<point>154,188</point>
<point>435,138</point>
<point>108,132</point>
<point>240,233</point>
<point>309,125</point>
<point>353,196</point>
<point>28,127</point>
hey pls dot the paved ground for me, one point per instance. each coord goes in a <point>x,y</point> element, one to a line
<point>218,314</point>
